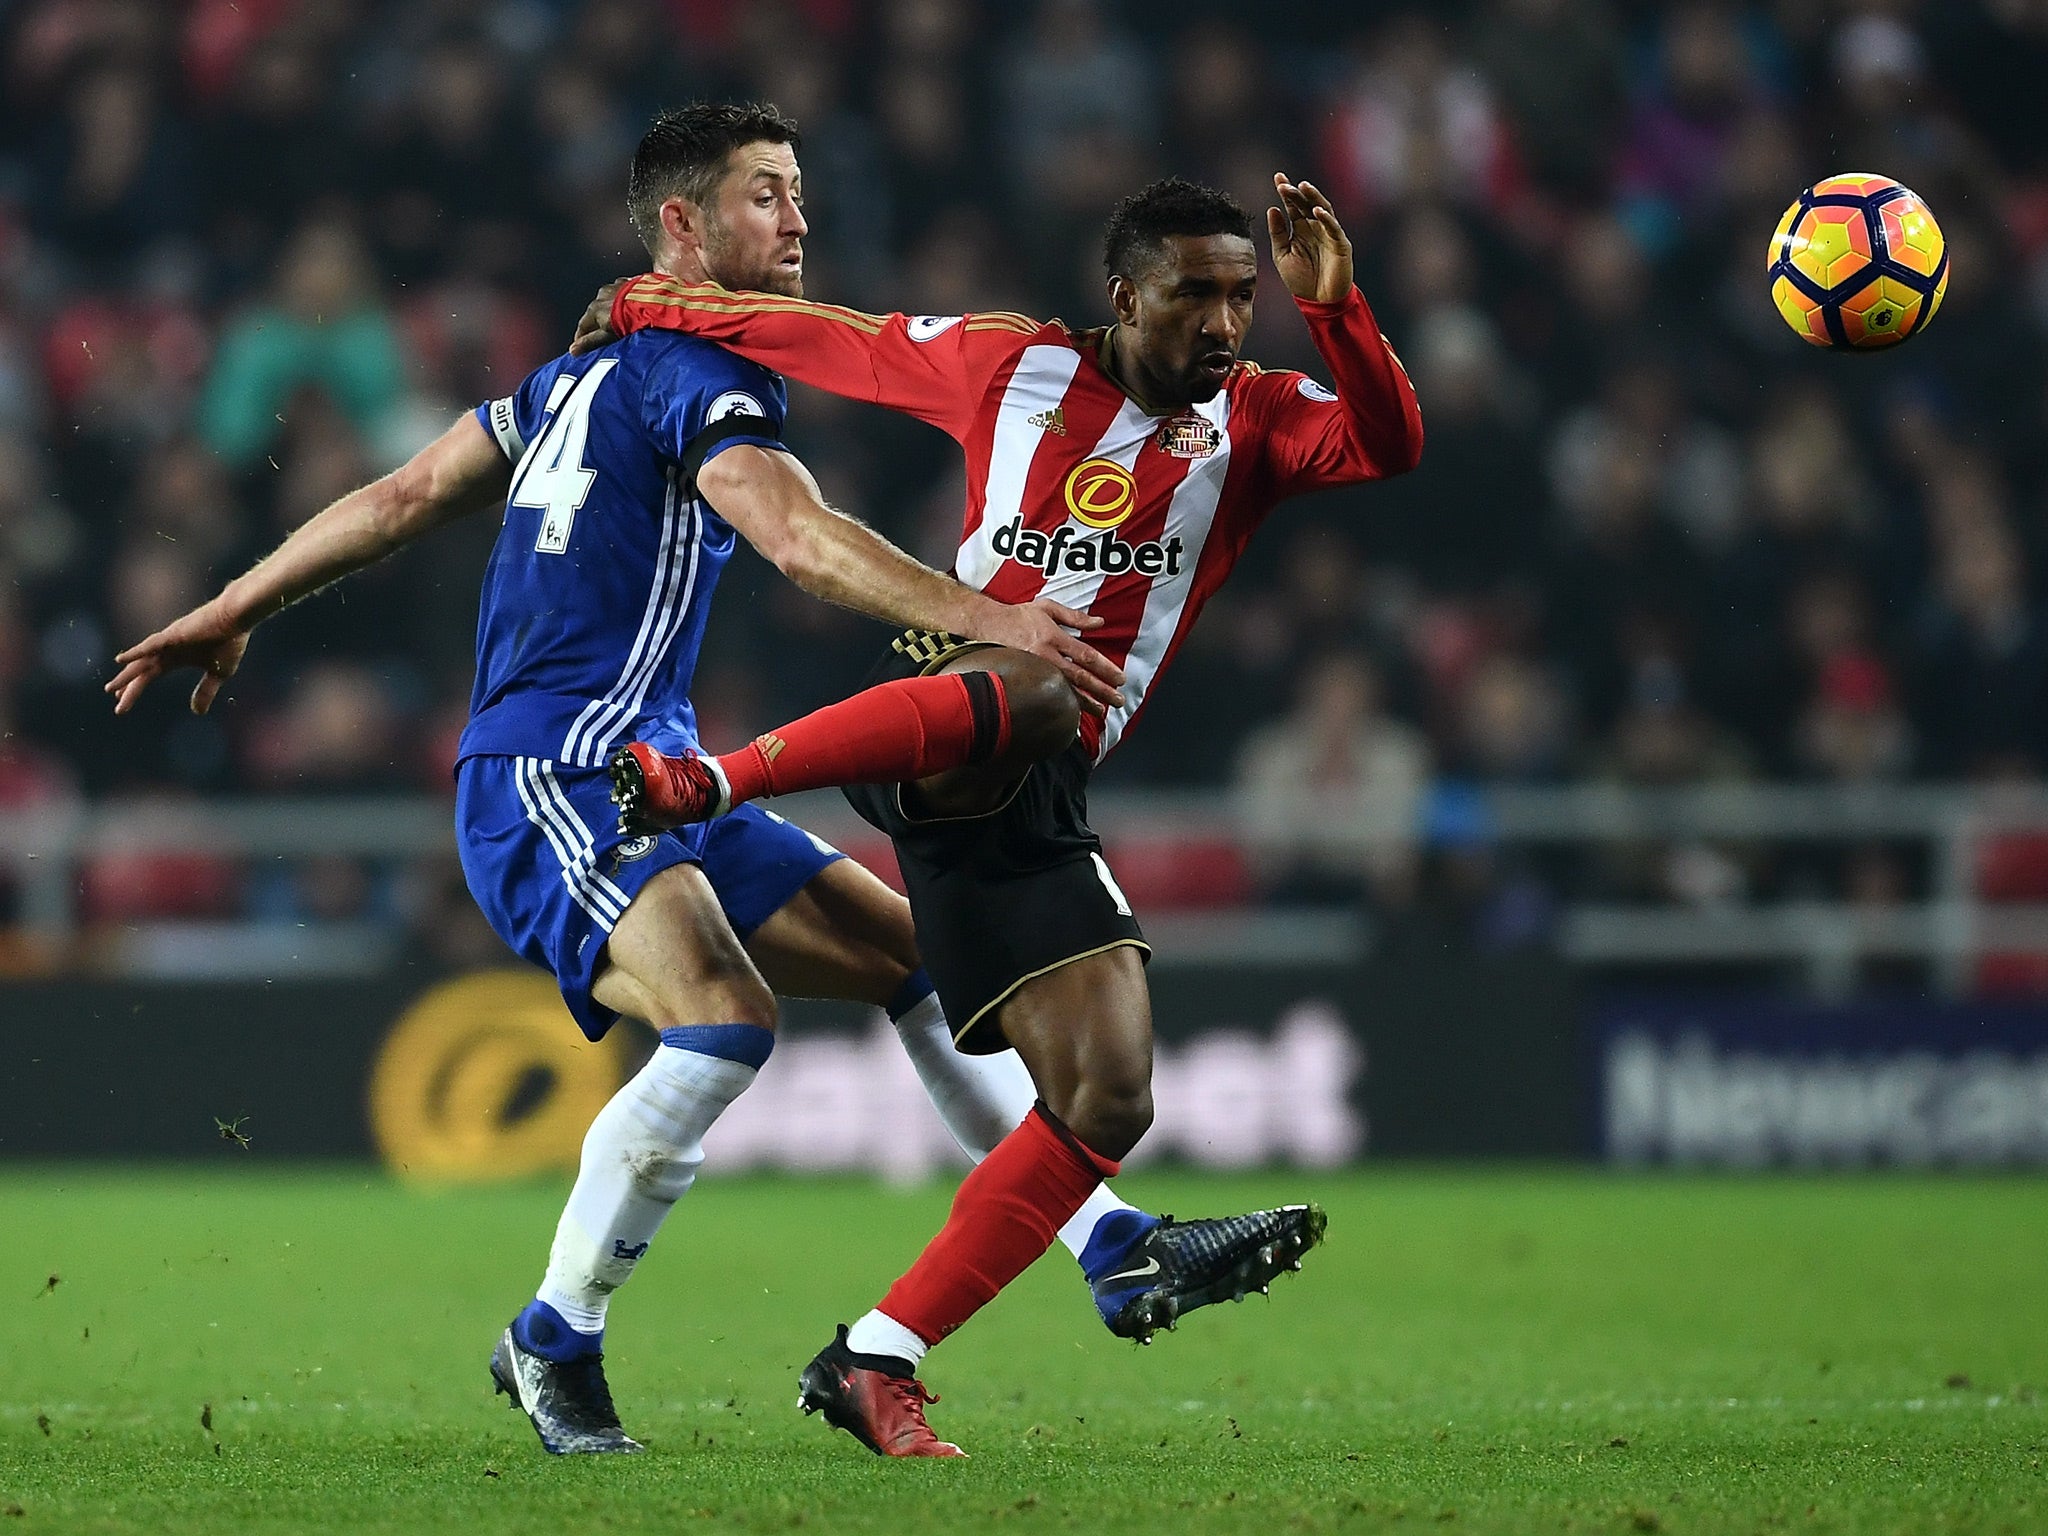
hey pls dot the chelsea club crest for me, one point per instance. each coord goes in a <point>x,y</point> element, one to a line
<point>634,848</point>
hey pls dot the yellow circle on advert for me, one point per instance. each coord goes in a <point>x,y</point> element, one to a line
<point>1100,492</point>
<point>487,1077</point>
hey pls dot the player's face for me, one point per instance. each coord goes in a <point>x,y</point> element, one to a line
<point>753,237</point>
<point>1189,313</point>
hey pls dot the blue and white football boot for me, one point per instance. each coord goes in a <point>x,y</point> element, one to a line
<point>1148,1272</point>
<point>563,1391</point>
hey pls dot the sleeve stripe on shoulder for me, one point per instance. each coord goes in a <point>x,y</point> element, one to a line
<point>847,317</point>
<point>723,301</point>
<point>713,299</point>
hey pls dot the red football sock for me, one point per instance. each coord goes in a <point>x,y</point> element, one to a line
<point>1008,1211</point>
<point>890,734</point>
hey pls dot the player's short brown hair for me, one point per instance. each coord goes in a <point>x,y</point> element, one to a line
<point>685,151</point>
<point>1144,221</point>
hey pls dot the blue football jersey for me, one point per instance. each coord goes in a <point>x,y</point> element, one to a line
<point>596,595</point>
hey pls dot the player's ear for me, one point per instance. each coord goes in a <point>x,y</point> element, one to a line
<point>683,222</point>
<point>1123,298</point>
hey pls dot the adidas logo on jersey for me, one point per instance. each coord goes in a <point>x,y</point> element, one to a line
<point>1054,420</point>
<point>1104,552</point>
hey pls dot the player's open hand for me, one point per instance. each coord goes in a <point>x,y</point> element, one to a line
<point>1310,249</point>
<point>1041,627</point>
<point>206,638</point>
<point>594,330</point>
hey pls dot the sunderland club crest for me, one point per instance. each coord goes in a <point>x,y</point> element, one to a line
<point>1189,437</point>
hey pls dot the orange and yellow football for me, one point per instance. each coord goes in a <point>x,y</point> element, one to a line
<point>1858,263</point>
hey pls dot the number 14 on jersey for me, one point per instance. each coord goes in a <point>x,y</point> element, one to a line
<point>552,478</point>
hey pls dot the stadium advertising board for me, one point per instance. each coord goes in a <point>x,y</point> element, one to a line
<point>483,1075</point>
<point>1763,1081</point>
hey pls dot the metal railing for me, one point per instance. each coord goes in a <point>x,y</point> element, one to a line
<point>1949,929</point>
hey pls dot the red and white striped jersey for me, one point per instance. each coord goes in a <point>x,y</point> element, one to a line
<point>1074,492</point>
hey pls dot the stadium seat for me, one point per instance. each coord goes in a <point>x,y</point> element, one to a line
<point>1176,874</point>
<point>120,887</point>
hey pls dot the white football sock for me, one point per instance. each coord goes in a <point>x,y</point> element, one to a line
<point>640,1156</point>
<point>880,1334</point>
<point>982,1099</point>
<point>1081,1225</point>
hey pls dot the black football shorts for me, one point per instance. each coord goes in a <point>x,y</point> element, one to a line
<point>1004,897</point>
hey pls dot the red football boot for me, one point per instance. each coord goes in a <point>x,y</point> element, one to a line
<point>654,791</point>
<point>877,1400</point>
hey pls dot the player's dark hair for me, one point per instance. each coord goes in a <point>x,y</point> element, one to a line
<point>684,154</point>
<point>1144,221</point>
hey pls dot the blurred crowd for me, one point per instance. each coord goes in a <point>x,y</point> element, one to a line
<point>253,252</point>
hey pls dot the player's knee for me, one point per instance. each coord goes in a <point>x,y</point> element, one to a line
<point>1044,714</point>
<point>736,998</point>
<point>876,975</point>
<point>749,1002</point>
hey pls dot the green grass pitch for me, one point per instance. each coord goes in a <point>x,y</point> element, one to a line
<point>1472,1351</point>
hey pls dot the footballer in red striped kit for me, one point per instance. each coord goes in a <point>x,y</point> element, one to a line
<point>1118,471</point>
<point>1143,454</point>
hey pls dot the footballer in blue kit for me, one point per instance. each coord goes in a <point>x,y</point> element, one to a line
<point>625,477</point>
<point>593,610</point>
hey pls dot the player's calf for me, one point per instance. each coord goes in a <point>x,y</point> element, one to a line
<point>1110,1111</point>
<point>1085,1031</point>
<point>893,733</point>
<point>672,959</point>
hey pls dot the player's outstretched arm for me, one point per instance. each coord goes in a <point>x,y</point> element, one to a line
<point>459,472</point>
<point>933,367</point>
<point>1311,252</point>
<point>770,497</point>
<point>1374,426</point>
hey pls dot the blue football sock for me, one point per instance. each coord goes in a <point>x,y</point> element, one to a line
<point>917,986</point>
<point>541,1330</point>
